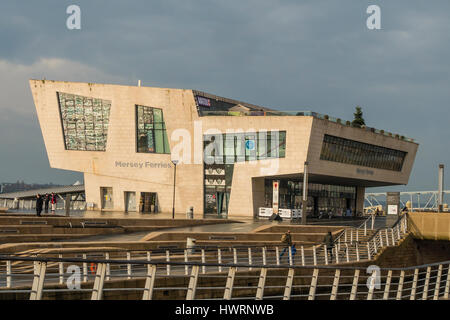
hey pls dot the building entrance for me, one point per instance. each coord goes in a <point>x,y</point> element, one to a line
<point>148,202</point>
<point>107,197</point>
<point>321,197</point>
<point>130,201</point>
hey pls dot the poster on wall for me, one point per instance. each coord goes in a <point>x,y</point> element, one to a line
<point>392,209</point>
<point>276,186</point>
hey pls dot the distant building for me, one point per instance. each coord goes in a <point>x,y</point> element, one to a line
<point>123,138</point>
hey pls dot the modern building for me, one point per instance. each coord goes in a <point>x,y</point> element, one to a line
<point>231,154</point>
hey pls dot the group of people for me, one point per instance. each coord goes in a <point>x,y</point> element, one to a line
<point>286,239</point>
<point>44,201</point>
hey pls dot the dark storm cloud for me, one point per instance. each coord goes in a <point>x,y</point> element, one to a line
<point>304,55</point>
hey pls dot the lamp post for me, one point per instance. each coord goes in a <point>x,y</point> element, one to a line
<point>174,180</point>
<point>305,192</point>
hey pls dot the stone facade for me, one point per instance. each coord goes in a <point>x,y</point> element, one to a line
<point>123,169</point>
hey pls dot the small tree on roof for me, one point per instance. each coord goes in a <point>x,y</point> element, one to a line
<point>358,121</point>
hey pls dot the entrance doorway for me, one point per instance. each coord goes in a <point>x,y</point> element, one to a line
<point>217,203</point>
<point>107,197</point>
<point>130,201</point>
<point>148,202</point>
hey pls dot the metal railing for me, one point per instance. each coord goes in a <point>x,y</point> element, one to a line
<point>16,272</point>
<point>235,281</point>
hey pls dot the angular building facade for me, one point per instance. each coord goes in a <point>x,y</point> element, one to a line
<point>231,155</point>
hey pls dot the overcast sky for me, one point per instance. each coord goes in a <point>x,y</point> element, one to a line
<point>291,55</point>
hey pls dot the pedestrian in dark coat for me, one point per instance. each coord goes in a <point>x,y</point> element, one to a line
<point>46,201</point>
<point>39,203</point>
<point>330,244</point>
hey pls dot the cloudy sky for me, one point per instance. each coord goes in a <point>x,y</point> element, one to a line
<point>291,55</point>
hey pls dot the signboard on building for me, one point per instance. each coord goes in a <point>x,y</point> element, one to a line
<point>276,187</point>
<point>393,202</point>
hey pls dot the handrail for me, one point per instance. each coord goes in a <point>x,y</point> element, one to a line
<point>209,264</point>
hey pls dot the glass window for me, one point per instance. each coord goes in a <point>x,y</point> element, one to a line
<point>151,131</point>
<point>363,154</point>
<point>84,121</point>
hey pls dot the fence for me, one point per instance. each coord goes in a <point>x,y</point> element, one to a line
<point>238,281</point>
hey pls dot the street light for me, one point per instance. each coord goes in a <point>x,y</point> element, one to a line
<point>174,180</point>
<point>305,192</point>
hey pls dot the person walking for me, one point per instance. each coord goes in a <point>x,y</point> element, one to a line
<point>287,240</point>
<point>39,202</point>
<point>330,244</point>
<point>53,202</point>
<point>46,201</point>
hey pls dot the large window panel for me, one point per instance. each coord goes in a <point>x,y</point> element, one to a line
<point>363,154</point>
<point>151,131</point>
<point>85,121</point>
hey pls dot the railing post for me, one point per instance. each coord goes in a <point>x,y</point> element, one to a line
<point>235,259</point>
<point>354,291</point>
<point>398,232</point>
<point>203,261</point>
<point>393,239</point>
<point>325,253</point>
<point>357,235</point>
<point>372,285</point>
<point>357,251</point>
<point>61,270</point>
<point>314,255</point>
<point>313,286</point>
<point>264,256</point>
<point>369,256</point>
<point>250,257</point>
<point>186,259</point>
<point>97,290</point>
<point>168,260</point>
<point>351,236</point>
<point>414,284</point>
<point>387,237</point>
<point>85,271</point>
<point>129,265</point>
<point>38,282</point>
<point>149,282</point>
<point>337,253</point>
<point>303,255</point>
<point>373,221</point>
<point>261,284</point>
<point>108,267</point>
<point>290,256</point>
<point>375,245</point>
<point>8,274</point>
<point>427,283</point>
<point>347,253</point>
<point>400,285</point>
<point>381,239</point>
<point>288,286</point>
<point>219,258</point>
<point>438,283</point>
<point>365,228</point>
<point>190,295</point>
<point>334,290</point>
<point>229,285</point>
<point>387,286</point>
<point>345,235</point>
<point>277,253</point>
<point>447,283</point>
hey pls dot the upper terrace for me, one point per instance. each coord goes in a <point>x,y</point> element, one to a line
<point>212,105</point>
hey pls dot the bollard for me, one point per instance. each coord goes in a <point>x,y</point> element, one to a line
<point>190,213</point>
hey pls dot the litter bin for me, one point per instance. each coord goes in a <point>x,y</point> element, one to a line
<point>190,213</point>
<point>190,245</point>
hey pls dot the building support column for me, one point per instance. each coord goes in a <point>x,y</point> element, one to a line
<point>360,191</point>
